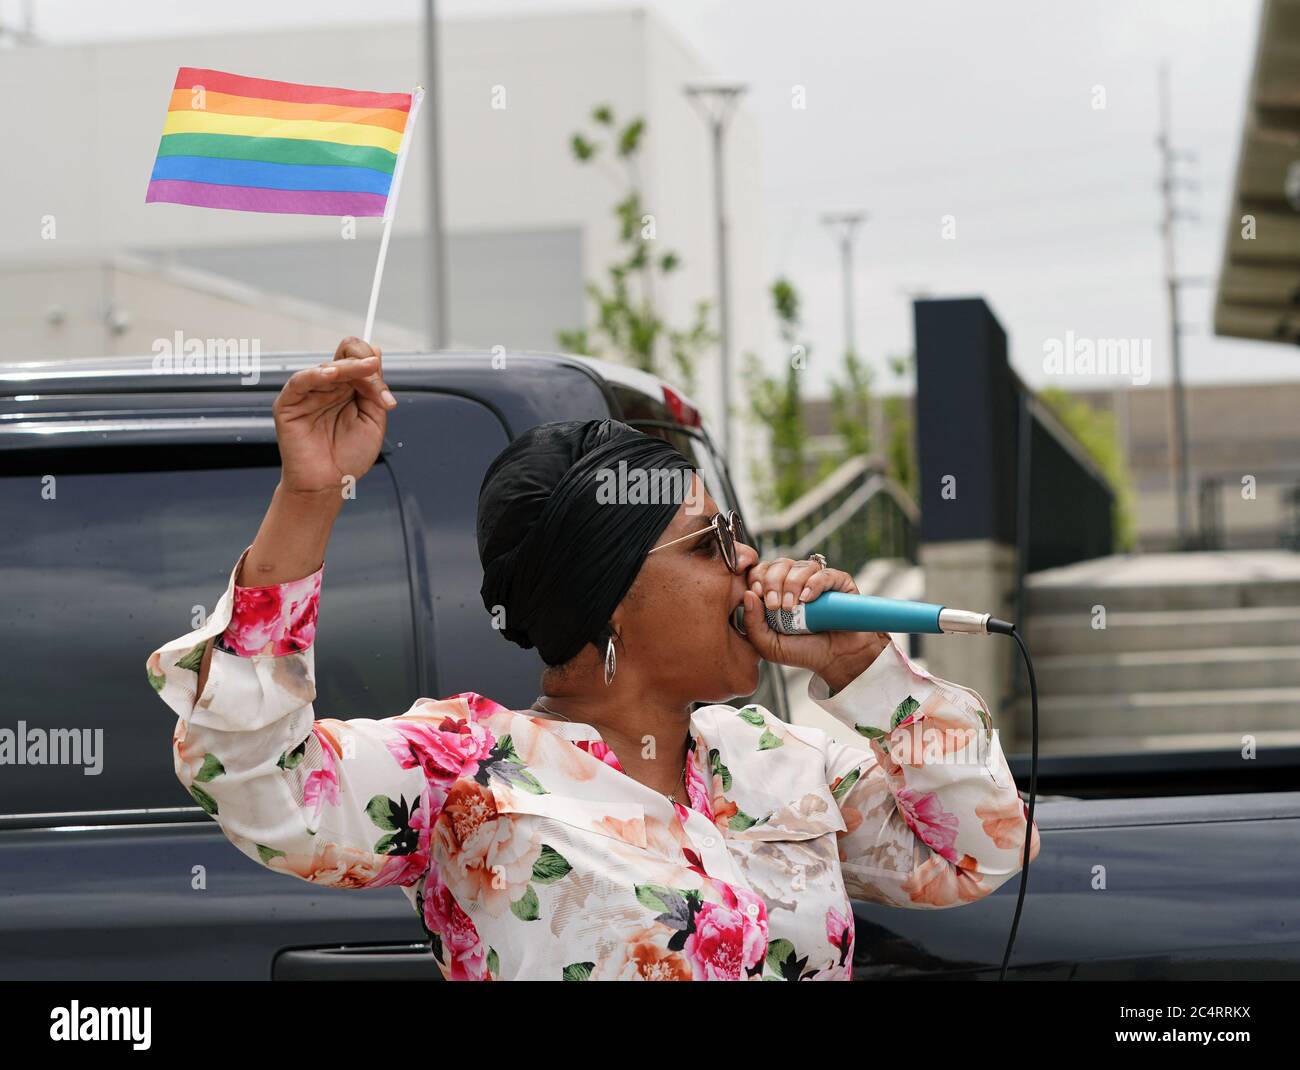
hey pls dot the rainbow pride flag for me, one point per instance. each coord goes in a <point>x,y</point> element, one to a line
<point>255,145</point>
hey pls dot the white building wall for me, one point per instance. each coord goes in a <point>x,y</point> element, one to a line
<point>91,117</point>
<point>123,307</point>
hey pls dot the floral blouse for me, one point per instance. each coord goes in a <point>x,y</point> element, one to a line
<point>528,853</point>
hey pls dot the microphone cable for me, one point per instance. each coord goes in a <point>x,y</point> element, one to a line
<point>1002,627</point>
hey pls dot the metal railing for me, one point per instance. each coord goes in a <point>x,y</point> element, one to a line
<point>1064,507</point>
<point>1064,497</point>
<point>1291,535</point>
<point>855,515</point>
<point>1209,512</point>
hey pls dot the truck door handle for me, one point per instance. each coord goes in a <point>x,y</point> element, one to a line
<point>360,962</point>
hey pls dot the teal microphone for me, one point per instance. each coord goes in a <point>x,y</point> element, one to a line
<point>838,611</point>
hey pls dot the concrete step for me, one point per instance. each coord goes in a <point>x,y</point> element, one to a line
<point>1167,581</point>
<point>906,584</point>
<point>1147,713</point>
<point>1212,669</point>
<point>1081,599</point>
<point>879,574</point>
<point>1072,633</point>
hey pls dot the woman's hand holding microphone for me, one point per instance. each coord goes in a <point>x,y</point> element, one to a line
<point>783,583</point>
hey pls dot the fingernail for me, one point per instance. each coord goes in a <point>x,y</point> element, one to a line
<point>332,369</point>
<point>773,601</point>
<point>388,398</point>
<point>787,601</point>
<point>803,595</point>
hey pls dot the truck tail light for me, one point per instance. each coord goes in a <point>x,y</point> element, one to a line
<point>682,410</point>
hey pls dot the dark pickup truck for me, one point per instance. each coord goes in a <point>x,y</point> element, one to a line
<point>125,497</point>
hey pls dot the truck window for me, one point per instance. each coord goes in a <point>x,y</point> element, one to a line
<point>116,557</point>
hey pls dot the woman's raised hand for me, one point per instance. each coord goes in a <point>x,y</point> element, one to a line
<point>330,420</point>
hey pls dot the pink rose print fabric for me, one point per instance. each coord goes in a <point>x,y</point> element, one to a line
<point>528,853</point>
<point>274,620</point>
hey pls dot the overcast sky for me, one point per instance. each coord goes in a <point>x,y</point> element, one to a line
<point>926,108</point>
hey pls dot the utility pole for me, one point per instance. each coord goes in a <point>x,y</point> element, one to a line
<point>437,247</point>
<point>1177,402</point>
<point>845,225</point>
<point>716,104</point>
<point>24,32</point>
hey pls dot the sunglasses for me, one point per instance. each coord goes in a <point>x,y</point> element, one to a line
<point>728,530</point>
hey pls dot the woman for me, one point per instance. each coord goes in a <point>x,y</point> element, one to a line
<point>611,831</point>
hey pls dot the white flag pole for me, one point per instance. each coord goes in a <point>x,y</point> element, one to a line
<point>390,207</point>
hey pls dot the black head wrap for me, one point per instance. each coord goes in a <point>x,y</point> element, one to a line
<point>559,538</point>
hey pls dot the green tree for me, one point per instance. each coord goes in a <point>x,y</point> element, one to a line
<point>852,419</point>
<point>851,407</point>
<point>775,401</point>
<point>627,323</point>
<point>900,440</point>
<point>1095,431</point>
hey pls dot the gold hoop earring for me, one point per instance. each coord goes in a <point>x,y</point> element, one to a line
<point>611,661</point>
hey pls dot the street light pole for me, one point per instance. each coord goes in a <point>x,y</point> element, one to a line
<point>716,103</point>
